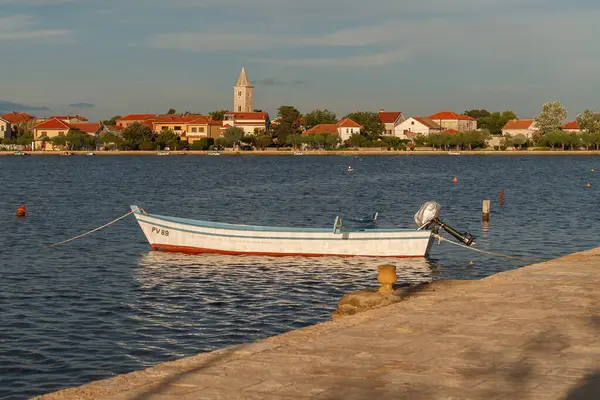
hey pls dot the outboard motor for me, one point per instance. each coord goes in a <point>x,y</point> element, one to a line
<point>428,218</point>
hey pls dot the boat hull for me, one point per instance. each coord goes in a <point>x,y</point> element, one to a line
<point>191,236</point>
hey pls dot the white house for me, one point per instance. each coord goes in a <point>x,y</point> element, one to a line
<point>519,126</point>
<point>5,129</point>
<point>412,126</point>
<point>250,122</point>
<point>345,128</point>
<point>391,119</point>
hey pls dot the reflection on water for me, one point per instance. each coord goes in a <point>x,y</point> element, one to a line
<point>191,303</point>
<point>328,268</point>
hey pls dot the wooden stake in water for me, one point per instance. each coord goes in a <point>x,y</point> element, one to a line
<point>502,197</point>
<point>485,211</point>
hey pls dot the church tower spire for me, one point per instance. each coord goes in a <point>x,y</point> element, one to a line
<point>242,93</point>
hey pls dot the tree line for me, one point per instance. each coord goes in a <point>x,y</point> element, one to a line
<point>290,124</point>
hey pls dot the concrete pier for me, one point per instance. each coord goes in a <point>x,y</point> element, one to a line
<point>532,333</point>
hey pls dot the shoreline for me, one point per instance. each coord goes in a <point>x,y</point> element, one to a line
<point>360,152</point>
<point>537,317</point>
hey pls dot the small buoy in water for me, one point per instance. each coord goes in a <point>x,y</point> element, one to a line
<point>455,180</point>
<point>593,170</point>
<point>588,186</point>
<point>350,169</point>
<point>21,211</point>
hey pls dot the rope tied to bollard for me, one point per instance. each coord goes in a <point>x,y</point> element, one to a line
<point>91,231</point>
<point>441,238</point>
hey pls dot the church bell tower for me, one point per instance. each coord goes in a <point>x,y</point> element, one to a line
<point>242,93</point>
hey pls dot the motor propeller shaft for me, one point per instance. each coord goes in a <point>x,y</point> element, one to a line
<point>465,237</point>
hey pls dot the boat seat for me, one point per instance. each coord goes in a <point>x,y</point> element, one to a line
<point>354,224</point>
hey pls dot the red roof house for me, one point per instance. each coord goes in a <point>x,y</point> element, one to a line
<point>250,122</point>
<point>391,119</point>
<point>452,120</point>
<point>17,118</point>
<point>345,128</point>
<point>572,126</point>
<point>92,129</point>
<point>519,127</point>
<point>414,126</point>
<point>129,119</point>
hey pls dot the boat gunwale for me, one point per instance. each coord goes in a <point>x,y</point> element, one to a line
<point>264,228</point>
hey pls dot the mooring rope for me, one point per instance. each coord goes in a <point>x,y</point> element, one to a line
<point>92,231</point>
<point>440,238</point>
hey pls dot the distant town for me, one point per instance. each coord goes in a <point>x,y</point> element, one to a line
<point>247,128</point>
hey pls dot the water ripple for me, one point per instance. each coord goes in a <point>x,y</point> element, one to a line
<point>106,305</point>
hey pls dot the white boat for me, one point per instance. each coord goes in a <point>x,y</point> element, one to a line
<point>193,236</point>
<point>89,154</point>
<point>213,153</point>
<point>162,153</point>
<point>298,153</point>
<point>454,153</point>
<point>20,153</point>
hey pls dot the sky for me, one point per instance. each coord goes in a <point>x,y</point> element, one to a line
<point>100,58</point>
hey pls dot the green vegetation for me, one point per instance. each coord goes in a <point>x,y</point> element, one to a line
<point>314,141</point>
<point>73,140</point>
<point>491,122</point>
<point>589,122</point>
<point>138,136</point>
<point>231,137</point>
<point>110,140</point>
<point>288,124</point>
<point>463,140</point>
<point>217,115</point>
<point>551,118</point>
<point>372,127</point>
<point>317,117</point>
<point>112,121</point>
<point>202,144</point>
<point>168,138</point>
<point>263,140</point>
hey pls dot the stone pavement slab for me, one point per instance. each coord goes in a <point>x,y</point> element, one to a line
<point>532,333</point>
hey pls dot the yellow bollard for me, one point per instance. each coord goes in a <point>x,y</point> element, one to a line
<point>387,277</point>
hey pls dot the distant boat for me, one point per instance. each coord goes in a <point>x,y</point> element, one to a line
<point>162,153</point>
<point>454,153</point>
<point>20,153</point>
<point>89,154</point>
<point>298,153</point>
<point>214,153</point>
<point>350,169</point>
<point>66,153</point>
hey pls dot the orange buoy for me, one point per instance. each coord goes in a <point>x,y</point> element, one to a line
<point>21,211</point>
<point>593,170</point>
<point>588,186</point>
<point>455,180</point>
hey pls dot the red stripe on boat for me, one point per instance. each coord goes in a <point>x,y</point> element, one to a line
<point>198,250</point>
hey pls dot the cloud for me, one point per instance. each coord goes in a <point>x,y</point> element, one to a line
<point>9,106</point>
<point>357,61</point>
<point>38,2</point>
<point>345,9</point>
<point>24,27</point>
<point>220,41</point>
<point>275,81</point>
<point>82,105</point>
<point>528,41</point>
